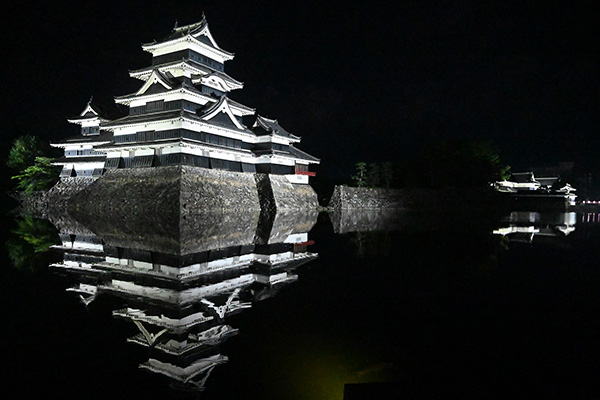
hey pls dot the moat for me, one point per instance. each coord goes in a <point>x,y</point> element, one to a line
<point>296,307</point>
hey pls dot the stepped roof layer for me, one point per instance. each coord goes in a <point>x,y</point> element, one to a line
<point>198,31</point>
<point>94,111</point>
<point>90,112</point>
<point>141,118</point>
<point>271,126</point>
<point>297,153</point>
<point>194,66</point>
<point>191,95</point>
<point>64,160</point>
<point>103,137</point>
<point>172,142</point>
<point>165,82</point>
<point>289,151</point>
<point>201,116</point>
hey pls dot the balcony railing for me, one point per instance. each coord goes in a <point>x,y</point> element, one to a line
<point>307,173</point>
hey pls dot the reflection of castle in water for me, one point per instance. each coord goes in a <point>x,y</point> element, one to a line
<point>524,226</point>
<point>179,300</point>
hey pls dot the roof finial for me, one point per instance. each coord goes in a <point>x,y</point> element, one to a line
<point>203,17</point>
<point>176,23</point>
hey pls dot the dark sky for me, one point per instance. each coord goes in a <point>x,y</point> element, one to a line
<point>356,80</point>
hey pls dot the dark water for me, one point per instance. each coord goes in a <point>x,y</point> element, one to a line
<point>295,308</point>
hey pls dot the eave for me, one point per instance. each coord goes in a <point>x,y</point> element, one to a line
<point>231,83</point>
<point>127,99</point>
<point>182,142</point>
<point>277,154</point>
<point>173,117</point>
<point>63,145</point>
<point>218,53</point>
<point>79,160</point>
<point>272,127</point>
<point>194,67</point>
<point>242,109</point>
<point>81,120</point>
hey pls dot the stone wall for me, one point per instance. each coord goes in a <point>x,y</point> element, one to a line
<point>123,192</point>
<point>289,196</point>
<point>170,193</point>
<point>54,201</point>
<point>353,198</point>
<point>346,197</point>
<point>208,190</point>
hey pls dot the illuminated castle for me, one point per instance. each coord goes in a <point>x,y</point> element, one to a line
<point>182,115</point>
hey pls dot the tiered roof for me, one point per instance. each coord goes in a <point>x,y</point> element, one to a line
<point>90,113</point>
<point>197,34</point>
<point>187,99</point>
<point>267,126</point>
<point>195,69</point>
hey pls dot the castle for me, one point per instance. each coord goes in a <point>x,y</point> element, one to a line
<point>182,115</point>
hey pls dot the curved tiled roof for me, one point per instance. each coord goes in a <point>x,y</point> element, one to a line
<point>198,31</point>
<point>272,127</point>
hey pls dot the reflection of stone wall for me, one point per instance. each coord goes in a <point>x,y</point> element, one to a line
<point>355,220</point>
<point>153,204</point>
<point>217,230</point>
<point>287,223</point>
<point>188,235</point>
<point>345,220</point>
<point>183,209</point>
<point>363,209</point>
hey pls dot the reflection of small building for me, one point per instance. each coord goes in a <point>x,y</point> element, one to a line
<point>525,226</point>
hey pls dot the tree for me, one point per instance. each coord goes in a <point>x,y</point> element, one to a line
<point>460,163</point>
<point>23,152</point>
<point>374,175</point>
<point>34,169</point>
<point>387,174</point>
<point>42,175</point>
<point>27,243</point>
<point>360,179</point>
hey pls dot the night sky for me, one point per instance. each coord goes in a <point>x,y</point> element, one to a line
<point>368,81</point>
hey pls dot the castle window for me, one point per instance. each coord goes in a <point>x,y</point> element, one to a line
<point>153,106</point>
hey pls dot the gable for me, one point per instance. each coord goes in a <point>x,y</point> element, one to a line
<point>215,82</point>
<point>155,88</point>
<point>221,113</point>
<point>205,37</point>
<point>223,119</point>
<point>156,78</point>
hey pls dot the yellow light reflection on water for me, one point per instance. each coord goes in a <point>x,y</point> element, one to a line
<point>319,373</point>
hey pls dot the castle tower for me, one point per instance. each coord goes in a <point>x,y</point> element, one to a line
<point>183,115</point>
<point>80,156</point>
